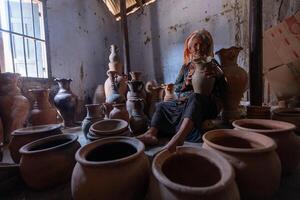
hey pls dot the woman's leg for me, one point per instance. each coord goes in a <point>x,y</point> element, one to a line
<point>149,137</point>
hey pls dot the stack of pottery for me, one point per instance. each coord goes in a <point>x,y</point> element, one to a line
<point>112,168</point>
<point>116,66</point>
<point>54,154</point>
<point>237,80</point>
<point>99,95</point>
<point>14,107</point>
<point>257,166</point>
<point>42,112</point>
<point>66,102</point>
<point>136,90</point>
<point>170,92</point>
<point>288,143</point>
<point>23,136</point>
<point>138,120</point>
<point>154,95</point>
<point>119,112</point>
<point>94,114</point>
<point>291,115</point>
<point>108,128</point>
<point>114,96</point>
<point>258,112</point>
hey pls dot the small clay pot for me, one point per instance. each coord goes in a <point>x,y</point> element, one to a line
<point>94,114</point>
<point>291,115</point>
<point>192,173</point>
<point>99,95</point>
<point>170,92</point>
<point>54,154</point>
<point>113,168</point>
<point>288,144</point>
<point>23,136</point>
<point>119,112</point>
<point>257,166</point>
<point>109,127</point>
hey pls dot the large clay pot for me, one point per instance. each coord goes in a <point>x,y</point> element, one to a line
<point>192,173</point>
<point>54,154</point>
<point>202,84</point>
<point>113,95</point>
<point>170,92</point>
<point>237,80</point>
<point>288,144</point>
<point>99,95</point>
<point>94,114</point>
<point>154,94</point>
<point>22,136</point>
<point>291,115</point>
<point>138,120</point>
<point>9,177</point>
<point>42,112</point>
<point>14,107</point>
<point>257,166</point>
<point>113,168</point>
<point>119,112</point>
<point>66,101</point>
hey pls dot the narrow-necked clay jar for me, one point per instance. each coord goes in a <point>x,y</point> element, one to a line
<point>14,107</point>
<point>48,162</point>
<point>192,173</point>
<point>291,115</point>
<point>288,144</point>
<point>23,136</point>
<point>119,112</point>
<point>94,114</point>
<point>42,112</point>
<point>257,166</point>
<point>113,168</point>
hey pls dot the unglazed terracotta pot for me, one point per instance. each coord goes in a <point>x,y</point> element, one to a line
<point>66,102</point>
<point>23,136</point>
<point>112,89</point>
<point>202,84</point>
<point>14,107</point>
<point>119,112</point>
<point>113,168</point>
<point>154,95</point>
<point>192,173</point>
<point>291,115</point>
<point>109,127</point>
<point>257,166</point>
<point>99,95</point>
<point>54,154</point>
<point>94,114</point>
<point>288,144</point>
<point>237,80</point>
<point>9,177</point>
<point>138,122</point>
<point>170,92</point>
<point>42,112</point>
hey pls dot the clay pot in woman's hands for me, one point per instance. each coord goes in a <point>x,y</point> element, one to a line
<point>202,82</point>
<point>170,92</point>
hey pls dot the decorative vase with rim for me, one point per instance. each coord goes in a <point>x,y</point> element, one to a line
<point>94,113</point>
<point>66,102</point>
<point>42,112</point>
<point>115,96</point>
<point>14,107</point>
<point>237,80</point>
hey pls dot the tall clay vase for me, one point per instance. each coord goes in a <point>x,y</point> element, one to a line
<point>237,80</point>
<point>291,115</point>
<point>192,173</point>
<point>113,168</point>
<point>14,107</point>
<point>119,112</point>
<point>94,114</point>
<point>138,122</point>
<point>257,166</point>
<point>288,143</point>
<point>170,92</point>
<point>42,112</point>
<point>49,162</point>
<point>99,95</point>
<point>66,102</point>
<point>113,96</point>
<point>22,136</point>
<point>136,89</point>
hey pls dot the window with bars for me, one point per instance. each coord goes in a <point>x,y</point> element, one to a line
<point>22,38</point>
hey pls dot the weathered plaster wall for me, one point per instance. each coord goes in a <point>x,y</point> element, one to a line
<point>158,32</point>
<point>80,34</point>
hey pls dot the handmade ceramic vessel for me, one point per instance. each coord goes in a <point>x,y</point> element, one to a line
<point>119,161</point>
<point>170,92</point>
<point>257,166</point>
<point>114,96</point>
<point>202,84</point>
<point>192,173</point>
<point>22,136</point>
<point>291,115</point>
<point>119,112</point>
<point>94,114</point>
<point>138,122</point>
<point>55,154</point>
<point>288,144</point>
<point>66,102</point>
<point>14,107</point>
<point>99,95</point>
<point>109,127</point>
<point>42,112</point>
<point>154,95</point>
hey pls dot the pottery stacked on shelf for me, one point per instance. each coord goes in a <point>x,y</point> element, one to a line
<point>288,144</point>
<point>253,156</point>
<point>66,102</point>
<point>42,112</point>
<point>22,136</point>
<point>154,95</point>
<point>237,81</point>
<point>94,114</point>
<point>14,107</point>
<point>291,115</point>
<point>112,168</point>
<point>192,173</point>
<point>108,128</point>
<point>54,154</point>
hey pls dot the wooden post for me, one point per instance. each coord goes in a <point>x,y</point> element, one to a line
<point>124,29</point>
<point>255,50</point>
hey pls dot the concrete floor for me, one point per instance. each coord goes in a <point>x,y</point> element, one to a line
<point>289,189</point>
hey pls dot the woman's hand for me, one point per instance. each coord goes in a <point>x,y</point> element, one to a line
<point>172,144</point>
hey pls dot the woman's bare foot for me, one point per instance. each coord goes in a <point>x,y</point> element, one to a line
<point>149,138</point>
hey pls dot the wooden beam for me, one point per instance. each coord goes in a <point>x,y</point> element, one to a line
<point>255,59</point>
<point>124,29</point>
